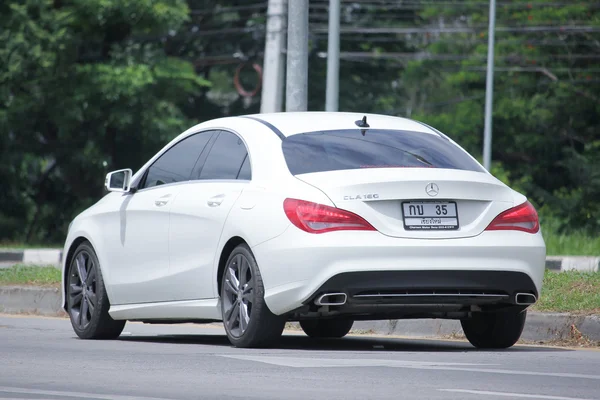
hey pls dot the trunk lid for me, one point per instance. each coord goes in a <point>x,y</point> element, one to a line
<point>417,202</point>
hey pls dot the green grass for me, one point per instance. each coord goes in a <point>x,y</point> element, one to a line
<point>573,244</point>
<point>22,246</point>
<point>30,275</point>
<point>576,292</point>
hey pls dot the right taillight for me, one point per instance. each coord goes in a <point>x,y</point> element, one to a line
<point>319,218</point>
<point>520,218</point>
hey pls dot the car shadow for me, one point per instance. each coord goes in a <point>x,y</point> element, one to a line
<point>349,343</point>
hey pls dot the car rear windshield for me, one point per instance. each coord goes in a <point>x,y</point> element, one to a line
<point>356,149</point>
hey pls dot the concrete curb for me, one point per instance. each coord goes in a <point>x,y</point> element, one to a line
<point>573,263</point>
<point>54,257</point>
<point>31,300</point>
<point>540,327</point>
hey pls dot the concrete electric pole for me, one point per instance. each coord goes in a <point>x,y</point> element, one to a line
<point>297,56</point>
<point>274,63</point>
<point>333,58</point>
<point>489,90</point>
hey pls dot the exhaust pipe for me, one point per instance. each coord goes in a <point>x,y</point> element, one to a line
<point>525,299</point>
<point>331,299</point>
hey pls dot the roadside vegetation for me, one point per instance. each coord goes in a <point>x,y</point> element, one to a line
<point>21,246</point>
<point>30,275</point>
<point>573,291</point>
<point>572,244</point>
<point>575,242</point>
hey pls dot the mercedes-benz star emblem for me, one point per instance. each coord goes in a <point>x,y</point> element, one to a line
<point>432,189</point>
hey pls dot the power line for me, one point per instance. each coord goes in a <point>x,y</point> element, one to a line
<point>505,69</point>
<point>455,57</point>
<point>532,42</point>
<point>391,30</point>
<point>406,4</point>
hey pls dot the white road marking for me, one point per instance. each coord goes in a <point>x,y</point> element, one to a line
<point>299,362</point>
<point>513,395</point>
<point>7,389</point>
<point>26,398</point>
<point>302,362</point>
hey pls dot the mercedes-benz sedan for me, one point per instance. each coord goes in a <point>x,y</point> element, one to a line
<point>321,218</point>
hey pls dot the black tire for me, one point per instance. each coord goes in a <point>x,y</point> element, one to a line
<point>256,325</point>
<point>326,328</point>
<point>88,305</point>
<point>498,330</point>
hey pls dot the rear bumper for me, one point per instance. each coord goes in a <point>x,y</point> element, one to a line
<point>406,294</point>
<point>427,287</point>
<point>296,267</point>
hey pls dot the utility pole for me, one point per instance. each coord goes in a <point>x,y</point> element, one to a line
<point>296,97</point>
<point>489,90</point>
<point>333,58</point>
<point>274,64</point>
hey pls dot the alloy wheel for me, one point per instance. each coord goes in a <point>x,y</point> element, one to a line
<point>82,289</point>
<point>238,295</point>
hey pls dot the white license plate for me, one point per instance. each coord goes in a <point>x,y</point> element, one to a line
<point>429,215</point>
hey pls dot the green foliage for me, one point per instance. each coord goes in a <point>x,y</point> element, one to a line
<point>80,89</point>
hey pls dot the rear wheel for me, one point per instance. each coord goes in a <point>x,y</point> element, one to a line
<point>87,301</point>
<point>498,330</point>
<point>326,328</point>
<point>246,317</point>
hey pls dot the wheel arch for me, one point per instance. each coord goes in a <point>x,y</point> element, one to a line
<point>231,244</point>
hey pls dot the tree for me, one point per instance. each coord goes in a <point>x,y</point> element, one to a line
<point>82,85</point>
<point>546,121</point>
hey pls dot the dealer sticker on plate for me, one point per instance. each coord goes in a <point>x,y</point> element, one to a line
<point>430,215</point>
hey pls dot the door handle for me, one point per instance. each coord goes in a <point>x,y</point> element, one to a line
<point>216,201</point>
<point>161,201</point>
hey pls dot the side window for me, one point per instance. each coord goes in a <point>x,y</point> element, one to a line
<point>225,158</point>
<point>245,172</point>
<point>177,163</point>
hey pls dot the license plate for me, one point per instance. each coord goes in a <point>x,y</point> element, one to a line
<point>429,215</point>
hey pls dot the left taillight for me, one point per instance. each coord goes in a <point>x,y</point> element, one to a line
<point>520,218</point>
<point>319,218</point>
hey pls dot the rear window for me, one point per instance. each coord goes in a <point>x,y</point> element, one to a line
<point>350,149</point>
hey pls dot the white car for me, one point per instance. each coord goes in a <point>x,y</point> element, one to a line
<point>321,218</point>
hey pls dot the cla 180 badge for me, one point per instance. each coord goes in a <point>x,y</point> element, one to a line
<point>368,196</point>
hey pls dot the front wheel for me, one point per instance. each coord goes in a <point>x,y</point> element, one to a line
<point>498,330</point>
<point>87,300</point>
<point>246,317</point>
<point>326,328</point>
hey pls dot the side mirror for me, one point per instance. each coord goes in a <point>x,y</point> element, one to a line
<point>119,181</point>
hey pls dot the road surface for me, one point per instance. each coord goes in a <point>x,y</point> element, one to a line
<point>41,358</point>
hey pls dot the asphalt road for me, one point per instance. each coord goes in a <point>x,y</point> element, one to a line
<point>41,358</point>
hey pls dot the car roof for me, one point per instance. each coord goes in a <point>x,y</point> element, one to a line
<point>292,123</point>
<point>286,124</point>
